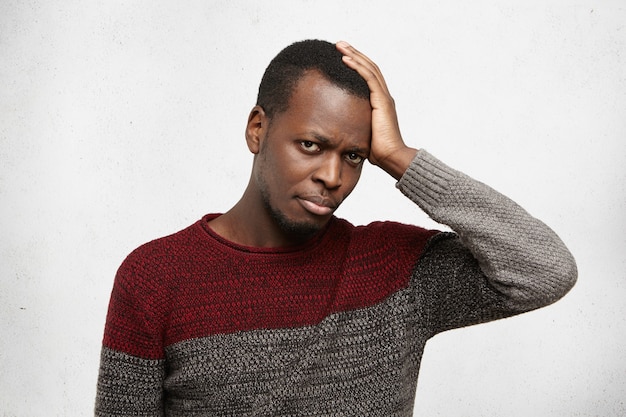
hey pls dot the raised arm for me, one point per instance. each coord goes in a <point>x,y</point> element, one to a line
<point>502,261</point>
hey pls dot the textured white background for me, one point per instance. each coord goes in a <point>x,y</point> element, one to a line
<point>123,121</point>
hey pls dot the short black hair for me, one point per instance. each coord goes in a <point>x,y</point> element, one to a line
<point>291,64</point>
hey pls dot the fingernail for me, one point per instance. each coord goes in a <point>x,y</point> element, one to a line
<point>343,44</point>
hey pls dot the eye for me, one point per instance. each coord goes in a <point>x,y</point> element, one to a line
<point>354,158</point>
<point>309,146</point>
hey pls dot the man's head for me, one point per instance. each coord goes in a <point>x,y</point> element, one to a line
<point>290,65</point>
<point>310,148</point>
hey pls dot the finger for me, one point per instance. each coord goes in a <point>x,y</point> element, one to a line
<point>375,80</point>
<point>350,50</point>
<point>361,63</point>
<point>357,55</point>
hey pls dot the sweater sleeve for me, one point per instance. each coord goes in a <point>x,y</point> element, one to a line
<point>499,262</point>
<point>132,366</point>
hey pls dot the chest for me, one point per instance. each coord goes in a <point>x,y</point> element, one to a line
<point>363,358</point>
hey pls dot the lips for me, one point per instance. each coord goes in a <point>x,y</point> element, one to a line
<point>317,204</point>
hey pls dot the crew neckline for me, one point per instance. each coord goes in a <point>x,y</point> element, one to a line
<point>308,245</point>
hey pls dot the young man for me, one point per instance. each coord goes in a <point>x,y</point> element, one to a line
<point>277,307</point>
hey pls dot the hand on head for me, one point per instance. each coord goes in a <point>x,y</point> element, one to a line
<point>388,149</point>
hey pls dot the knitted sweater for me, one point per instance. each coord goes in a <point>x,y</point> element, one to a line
<point>200,326</point>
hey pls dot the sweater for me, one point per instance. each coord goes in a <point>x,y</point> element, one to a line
<point>200,326</point>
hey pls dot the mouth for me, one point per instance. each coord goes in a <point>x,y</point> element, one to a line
<point>317,204</point>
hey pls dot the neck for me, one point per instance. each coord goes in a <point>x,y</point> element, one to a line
<point>249,223</point>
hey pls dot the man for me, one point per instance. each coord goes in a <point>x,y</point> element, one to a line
<point>277,307</point>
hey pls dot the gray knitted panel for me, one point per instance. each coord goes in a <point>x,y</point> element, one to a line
<point>120,371</point>
<point>363,362</point>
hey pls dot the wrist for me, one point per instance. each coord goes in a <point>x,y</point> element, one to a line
<point>398,161</point>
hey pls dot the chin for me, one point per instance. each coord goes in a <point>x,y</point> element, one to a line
<point>300,228</point>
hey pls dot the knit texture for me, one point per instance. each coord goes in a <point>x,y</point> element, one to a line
<point>199,326</point>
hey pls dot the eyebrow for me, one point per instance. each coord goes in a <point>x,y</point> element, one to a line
<point>325,140</point>
<point>319,137</point>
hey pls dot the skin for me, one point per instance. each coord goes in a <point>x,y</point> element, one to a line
<point>308,159</point>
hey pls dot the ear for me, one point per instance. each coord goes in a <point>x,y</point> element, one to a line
<point>256,129</point>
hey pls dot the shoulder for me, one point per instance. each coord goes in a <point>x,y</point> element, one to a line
<point>168,245</point>
<point>386,237</point>
<point>163,256</point>
<point>390,233</point>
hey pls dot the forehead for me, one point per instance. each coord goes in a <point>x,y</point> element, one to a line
<point>320,104</point>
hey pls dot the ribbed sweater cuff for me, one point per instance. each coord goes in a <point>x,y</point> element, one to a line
<point>426,181</point>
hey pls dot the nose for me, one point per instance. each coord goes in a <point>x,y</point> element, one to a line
<point>329,171</point>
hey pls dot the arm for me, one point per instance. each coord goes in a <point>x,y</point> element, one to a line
<point>132,366</point>
<point>503,262</point>
<point>129,385</point>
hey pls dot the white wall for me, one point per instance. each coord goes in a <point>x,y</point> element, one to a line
<point>122,121</point>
